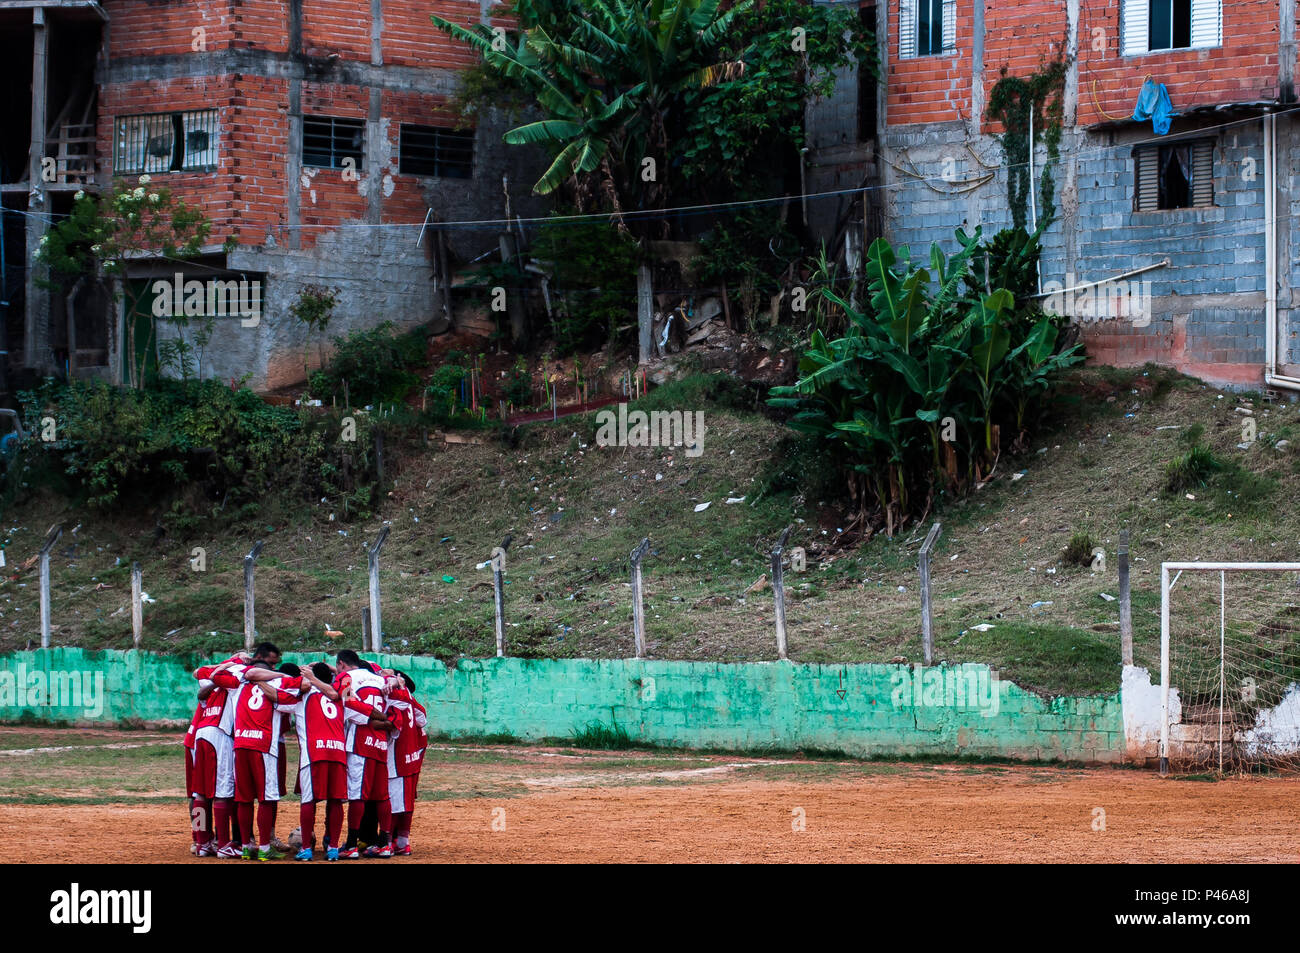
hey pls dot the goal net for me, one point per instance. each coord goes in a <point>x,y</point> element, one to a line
<point>1230,666</point>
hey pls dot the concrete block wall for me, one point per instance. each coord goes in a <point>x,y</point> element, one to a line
<point>887,710</point>
<point>1207,306</point>
<point>263,65</point>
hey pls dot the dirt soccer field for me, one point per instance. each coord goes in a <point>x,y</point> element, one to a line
<point>77,797</point>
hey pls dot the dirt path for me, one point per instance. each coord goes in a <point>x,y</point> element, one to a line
<point>1016,815</point>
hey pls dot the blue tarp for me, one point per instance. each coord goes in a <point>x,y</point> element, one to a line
<point>1153,103</point>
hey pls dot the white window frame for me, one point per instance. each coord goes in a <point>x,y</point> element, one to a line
<point>1135,27</point>
<point>132,135</point>
<point>908,20</point>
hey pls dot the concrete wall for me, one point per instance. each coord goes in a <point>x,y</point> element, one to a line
<point>1206,313</point>
<point>886,710</point>
<point>264,65</point>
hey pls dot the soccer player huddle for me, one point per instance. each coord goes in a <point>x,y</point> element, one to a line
<point>361,739</point>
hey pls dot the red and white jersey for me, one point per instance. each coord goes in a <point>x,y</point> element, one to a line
<point>214,706</point>
<point>409,739</point>
<point>321,736</point>
<point>194,723</point>
<point>369,688</point>
<point>231,681</point>
<point>257,721</point>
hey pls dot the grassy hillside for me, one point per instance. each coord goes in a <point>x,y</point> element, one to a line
<point>576,510</point>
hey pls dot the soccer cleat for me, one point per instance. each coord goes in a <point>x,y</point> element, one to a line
<point>402,851</point>
<point>228,853</point>
<point>377,851</point>
<point>348,853</point>
<point>194,849</point>
<point>246,853</point>
<point>270,854</point>
<point>304,854</point>
<point>208,850</point>
<point>331,853</point>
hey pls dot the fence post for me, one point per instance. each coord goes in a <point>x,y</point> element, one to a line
<point>376,620</point>
<point>927,633</point>
<point>499,593</point>
<point>1125,605</point>
<point>778,591</point>
<point>51,538</point>
<point>638,610</point>
<point>137,604</point>
<point>250,633</point>
<point>365,628</point>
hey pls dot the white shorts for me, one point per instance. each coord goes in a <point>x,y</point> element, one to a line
<point>224,746</point>
<point>356,771</point>
<point>401,793</point>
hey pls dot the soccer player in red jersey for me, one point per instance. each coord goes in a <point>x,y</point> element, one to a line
<point>214,749</point>
<point>322,765</point>
<point>405,757</point>
<point>257,748</point>
<point>361,690</point>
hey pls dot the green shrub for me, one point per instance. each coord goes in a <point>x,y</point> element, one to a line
<point>372,366</point>
<point>604,737</point>
<point>1079,550</point>
<point>1192,470</point>
<point>593,266</point>
<point>197,448</point>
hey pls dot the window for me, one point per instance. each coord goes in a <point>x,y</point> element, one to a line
<point>432,150</point>
<point>926,27</point>
<point>1174,175</point>
<point>1153,25</point>
<point>166,142</point>
<point>327,142</point>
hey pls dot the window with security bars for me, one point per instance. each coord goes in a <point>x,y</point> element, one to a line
<point>926,27</point>
<point>1174,175</point>
<point>166,142</point>
<point>1154,25</point>
<point>327,142</point>
<point>435,151</point>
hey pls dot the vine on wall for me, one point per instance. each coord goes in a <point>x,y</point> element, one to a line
<point>1012,101</point>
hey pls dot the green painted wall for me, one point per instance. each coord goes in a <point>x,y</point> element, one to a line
<point>886,709</point>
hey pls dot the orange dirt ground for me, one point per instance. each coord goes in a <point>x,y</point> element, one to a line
<point>911,813</point>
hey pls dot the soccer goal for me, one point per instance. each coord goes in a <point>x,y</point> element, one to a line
<point>1229,666</point>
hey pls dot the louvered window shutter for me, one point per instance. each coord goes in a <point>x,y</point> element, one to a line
<point>950,25</point>
<point>1207,23</point>
<point>1134,29</point>
<point>1146,167</point>
<point>907,28</point>
<point>1202,174</point>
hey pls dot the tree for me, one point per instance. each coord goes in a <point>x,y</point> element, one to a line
<point>607,76</point>
<point>104,234</point>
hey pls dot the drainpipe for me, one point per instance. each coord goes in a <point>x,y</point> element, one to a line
<point>1271,376</point>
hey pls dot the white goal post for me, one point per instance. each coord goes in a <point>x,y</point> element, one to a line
<point>1229,665</point>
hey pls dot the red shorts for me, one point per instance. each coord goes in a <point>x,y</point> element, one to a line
<point>322,781</point>
<point>402,793</point>
<point>257,776</point>
<point>202,780</point>
<point>367,779</point>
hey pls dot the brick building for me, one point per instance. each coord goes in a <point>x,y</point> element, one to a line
<point>1190,211</point>
<point>315,132</point>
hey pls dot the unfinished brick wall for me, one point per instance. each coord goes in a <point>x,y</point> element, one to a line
<point>1244,68</point>
<point>932,88</point>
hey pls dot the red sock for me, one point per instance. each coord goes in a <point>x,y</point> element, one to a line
<point>385,821</point>
<point>307,820</point>
<point>333,822</point>
<point>244,809</point>
<point>355,810</point>
<point>265,822</point>
<point>200,820</point>
<point>221,820</point>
